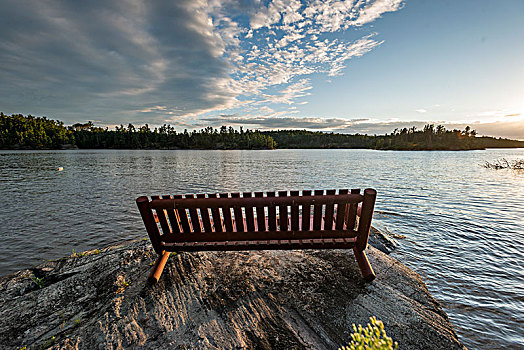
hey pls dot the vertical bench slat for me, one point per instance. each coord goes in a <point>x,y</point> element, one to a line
<point>173,218</point>
<point>320,217</point>
<point>306,213</point>
<point>282,211</point>
<point>352,212</point>
<point>271,214</point>
<point>239,218</point>
<point>328,219</point>
<point>184,220</point>
<point>144,206</point>
<point>250,218</point>
<point>204,214</point>
<point>261,214</point>
<point>364,223</point>
<point>226,212</point>
<point>294,213</point>
<point>161,214</point>
<point>317,215</point>
<point>195,220</point>
<point>341,212</point>
<point>215,213</point>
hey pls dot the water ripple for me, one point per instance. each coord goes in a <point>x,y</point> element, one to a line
<point>464,225</point>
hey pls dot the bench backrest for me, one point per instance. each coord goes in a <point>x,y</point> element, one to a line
<point>270,216</point>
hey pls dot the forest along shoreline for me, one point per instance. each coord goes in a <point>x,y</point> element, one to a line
<point>19,132</point>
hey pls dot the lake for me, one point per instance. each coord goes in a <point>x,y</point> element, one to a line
<point>463,224</point>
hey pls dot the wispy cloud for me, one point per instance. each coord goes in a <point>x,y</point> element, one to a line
<point>489,113</point>
<point>283,122</point>
<point>289,94</point>
<point>510,129</point>
<point>374,10</point>
<point>495,115</point>
<point>173,60</point>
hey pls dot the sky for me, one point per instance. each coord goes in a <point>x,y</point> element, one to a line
<point>361,66</point>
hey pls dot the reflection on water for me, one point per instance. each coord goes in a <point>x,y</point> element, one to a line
<point>463,223</point>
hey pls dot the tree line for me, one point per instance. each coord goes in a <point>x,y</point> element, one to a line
<point>28,132</point>
<point>20,132</point>
<point>431,137</point>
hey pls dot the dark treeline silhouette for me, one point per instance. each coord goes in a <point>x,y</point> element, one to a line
<point>438,138</point>
<point>165,137</point>
<point>317,139</point>
<point>21,132</point>
<point>430,138</point>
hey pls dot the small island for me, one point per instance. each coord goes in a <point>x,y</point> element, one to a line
<point>29,132</point>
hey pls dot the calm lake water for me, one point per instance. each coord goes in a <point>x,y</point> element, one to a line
<point>464,224</point>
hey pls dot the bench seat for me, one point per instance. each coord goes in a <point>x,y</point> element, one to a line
<point>281,244</point>
<point>265,221</point>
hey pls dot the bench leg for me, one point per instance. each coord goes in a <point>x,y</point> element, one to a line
<point>160,263</point>
<point>364,265</point>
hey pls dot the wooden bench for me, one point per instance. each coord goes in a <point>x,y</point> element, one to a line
<point>308,220</point>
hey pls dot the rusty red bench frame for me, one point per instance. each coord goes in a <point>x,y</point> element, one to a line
<point>307,220</point>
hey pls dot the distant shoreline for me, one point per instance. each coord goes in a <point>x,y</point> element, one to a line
<point>254,149</point>
<point>28,132</point>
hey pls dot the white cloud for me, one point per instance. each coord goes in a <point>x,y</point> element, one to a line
<point>510,129</point>
<point>490,113</point>
<point>374,10</point>
<point>507,129</point>
<point>174,59</point>
<point>281,121</point>
<point>294,46</point>
<point>290,93</point>
<point>421,110</point>
<point>153,109</point>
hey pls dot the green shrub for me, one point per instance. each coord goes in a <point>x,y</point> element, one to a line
<point>373,337</point>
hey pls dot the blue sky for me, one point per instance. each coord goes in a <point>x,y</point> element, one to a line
<point>345,66</point>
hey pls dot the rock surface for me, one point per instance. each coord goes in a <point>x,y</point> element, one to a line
<point>381,241</point>
<point>216,300</point>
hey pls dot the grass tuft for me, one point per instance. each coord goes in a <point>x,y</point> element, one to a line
<point>39,281</point>
<point>122,285</point>
<point>505,164</point>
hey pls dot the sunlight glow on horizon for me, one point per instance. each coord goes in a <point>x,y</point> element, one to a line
<point>332,65</point>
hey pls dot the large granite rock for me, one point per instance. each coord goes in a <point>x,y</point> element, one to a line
<point>216,300</point>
